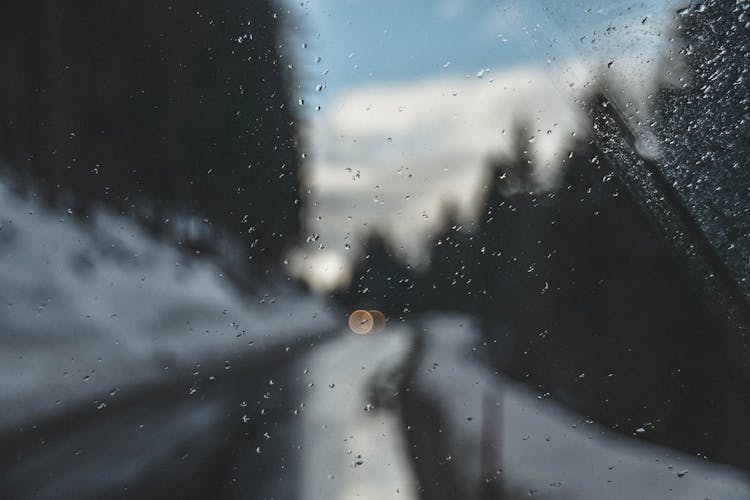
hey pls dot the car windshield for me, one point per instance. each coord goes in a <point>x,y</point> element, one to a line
<point>317,249</point>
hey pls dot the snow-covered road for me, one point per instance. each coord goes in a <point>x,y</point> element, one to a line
<point>472,428</point>
<point>128,368</point>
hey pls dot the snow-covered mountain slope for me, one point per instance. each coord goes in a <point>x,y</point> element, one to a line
<point>90,309</point>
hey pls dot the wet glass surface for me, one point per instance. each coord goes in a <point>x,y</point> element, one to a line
<point>451,249</point>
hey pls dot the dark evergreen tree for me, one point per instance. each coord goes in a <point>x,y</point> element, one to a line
<point>449,280</point>
<point>381,280</point>
<point>157,109</point>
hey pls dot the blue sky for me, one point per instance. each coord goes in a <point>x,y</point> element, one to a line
<point>363,42</point>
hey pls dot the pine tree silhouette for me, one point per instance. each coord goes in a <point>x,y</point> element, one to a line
<point>382,280</point>
<point>157,110</point>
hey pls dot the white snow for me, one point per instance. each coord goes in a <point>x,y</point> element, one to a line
<point>87,308</point>
<point>339,429</point>
<point>540,450</point>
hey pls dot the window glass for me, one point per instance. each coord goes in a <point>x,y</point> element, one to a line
<point>345,249</point>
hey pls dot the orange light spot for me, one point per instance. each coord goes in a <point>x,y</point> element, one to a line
<point>361,322</point>
<point>378,320</point>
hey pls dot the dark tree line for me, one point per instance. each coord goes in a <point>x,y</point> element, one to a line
<point>580,290</point>
<point>578,293</point>
<point>159,110</point>
<point>177,114</point>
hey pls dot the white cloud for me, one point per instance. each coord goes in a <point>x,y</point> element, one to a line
<point>389,156</point>
<point>450,9</point>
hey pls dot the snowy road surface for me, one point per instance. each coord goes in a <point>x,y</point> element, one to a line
<point>131,369</point>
